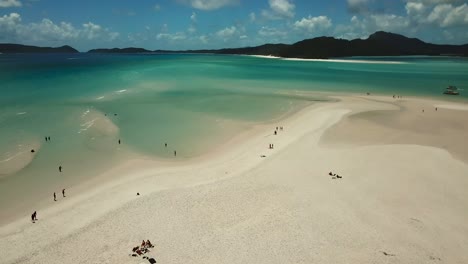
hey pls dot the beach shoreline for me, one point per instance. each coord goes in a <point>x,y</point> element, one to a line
<point>272,198</point>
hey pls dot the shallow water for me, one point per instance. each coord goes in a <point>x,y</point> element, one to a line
<point>87,102</point>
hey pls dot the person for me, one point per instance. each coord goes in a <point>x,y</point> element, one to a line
<point>330,173</point>
<point>32,217</point>
<point>436,108</point>
<point>165,145</point>
<point>275,132</point>
<point>63,192</point>
<point>148,243</point>
<point>46,139</point>
<point>119,141</point>
<point>272,146</point>
<point>60,168</point>
<point>143,243</point>
<point>55,197</point>
<point>175,153</point>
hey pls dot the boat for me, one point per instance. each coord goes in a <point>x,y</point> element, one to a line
<point>451,90</point>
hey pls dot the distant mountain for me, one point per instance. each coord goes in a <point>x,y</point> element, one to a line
<point>378,44</point>
<point>17,48</point>
<point>117,50</point>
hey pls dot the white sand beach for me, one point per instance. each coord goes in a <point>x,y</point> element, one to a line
<point>402,197</point>
<point>330,60</point>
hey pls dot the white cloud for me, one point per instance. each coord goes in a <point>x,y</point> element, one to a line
<point>193,17</point>
<point>414,8</point>
<point>10,3</point>
<point>358,6</point>
<point>252,17</point>
<point>227,33</point>
<point>446,15</point>
<point>209,4</point>
<point>243,37</point>
<point>204,39</point>
<point>271,32</point>
<point>279,9</point>
<point>437,12</point>
<point>48,32</point>
<point>171,37</point>
<point>313,24</point>
<point>192,29</point>
<point>282,7</point>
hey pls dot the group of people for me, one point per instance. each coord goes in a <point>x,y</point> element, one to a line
<point>397,96</point>
<point>63,194</point>
<point>334,175</point>
<point>271,146</point>
<point>142,249</point>
<point>47,138</point>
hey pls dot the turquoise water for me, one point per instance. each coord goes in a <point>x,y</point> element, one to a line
<point>87,102</point>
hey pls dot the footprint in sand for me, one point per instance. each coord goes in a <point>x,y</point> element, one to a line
<point>416,223</point>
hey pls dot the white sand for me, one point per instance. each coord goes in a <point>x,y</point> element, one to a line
<point>329,60</point>
<point>462,107</point>
<point>396,203</point>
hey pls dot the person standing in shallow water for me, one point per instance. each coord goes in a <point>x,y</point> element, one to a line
<point>60,168</point>
<point>165,145</point>
<point>175,153</point>
<point>119,141</point>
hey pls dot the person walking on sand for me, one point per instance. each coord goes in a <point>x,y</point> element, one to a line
<point>55,197</point>
<point>60,168</point>
<point>63,192</point>
<point>275,132</point>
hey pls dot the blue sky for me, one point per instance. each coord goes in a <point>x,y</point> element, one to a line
<point>196,24</point>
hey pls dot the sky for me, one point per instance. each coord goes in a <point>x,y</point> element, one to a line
<point>200,24</point>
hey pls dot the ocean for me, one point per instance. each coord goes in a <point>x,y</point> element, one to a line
<point>86,103</point>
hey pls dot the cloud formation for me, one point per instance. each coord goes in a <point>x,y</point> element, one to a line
<point>358,6</point>
<point>10,3</point>
<point>279,9</point>
<point>47,32</point>
<point>227,33</point>
<point>313,24</point>
<point>208,4</point>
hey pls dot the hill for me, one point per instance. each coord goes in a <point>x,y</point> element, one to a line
<point>18,48</point>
